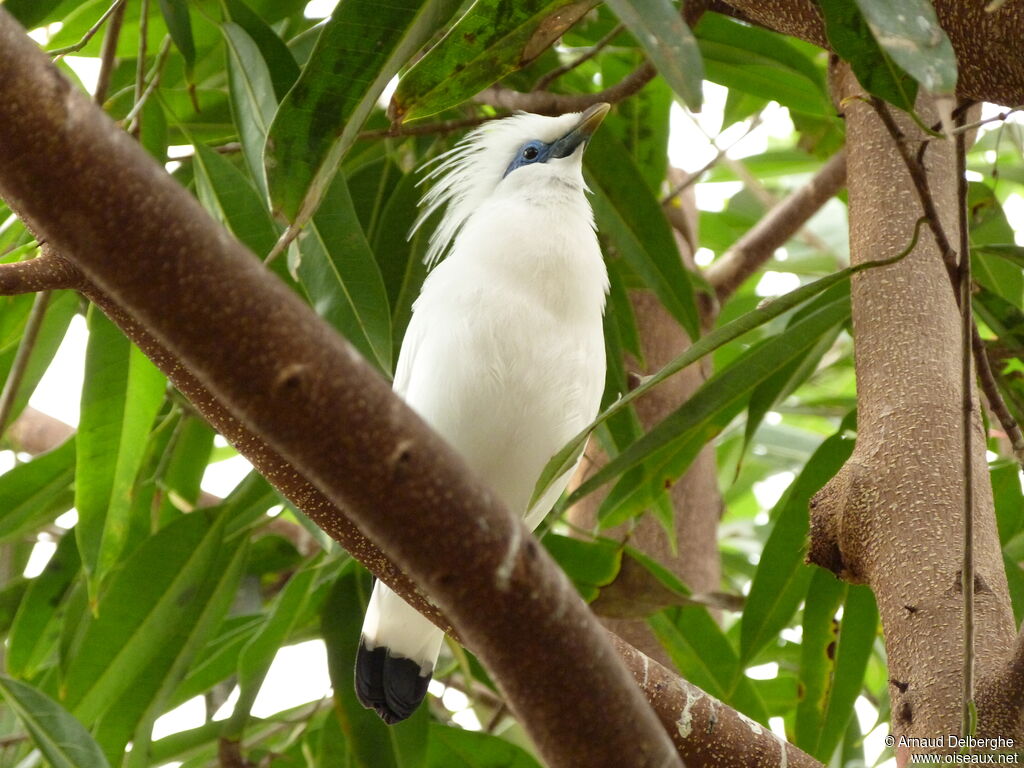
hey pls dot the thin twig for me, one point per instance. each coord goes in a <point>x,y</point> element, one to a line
<point>22,358</point>
<point>545,80</point>
<point>967,403</point>
<point>1001,117</point>
<point>59,52</point>
<point>720,152</point>
<point>447,126</point>
<point>108,53</point>
<point>134,116</point>
<point>548,103</point>
<point>140,66</point>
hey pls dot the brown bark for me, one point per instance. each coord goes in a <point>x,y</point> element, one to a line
<point>892,517</point>
<point>707,733</point>
<point>142,239</point>
<point>987,44</point>
<point>36,432</point>
<point>671,697</point>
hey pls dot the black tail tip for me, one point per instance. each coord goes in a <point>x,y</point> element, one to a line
<point>391,686</point>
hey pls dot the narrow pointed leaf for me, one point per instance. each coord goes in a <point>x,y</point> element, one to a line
<point>360,49</point>
<point>460,748</point>
<point>669,43</point>
<point>232,199</point>
<point>27,491</point>
<point>340,276</point>
<point>179,24</point>
<point>145,615</point>
<point>704,656</point>
<point>851,38</point>
<point>253,102</point>
<point>856,638</point>
<point>36,628</point>
<point>698,415</point>
<point>62,740</point>
<point>562,461</point>
<point>631,216</point>
<point>492,40</point>
<point>782,578</point>
<point>910,34</point>
<point>280,61</point>
<point>120,397</point>
<point>817,656</point>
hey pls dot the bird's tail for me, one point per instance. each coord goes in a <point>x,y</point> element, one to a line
<point>397,652</point>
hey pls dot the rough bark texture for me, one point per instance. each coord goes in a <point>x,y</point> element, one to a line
<point>892,517</point>
<point>142,239</point>
<point>706,732</point>
<point>987,45</point>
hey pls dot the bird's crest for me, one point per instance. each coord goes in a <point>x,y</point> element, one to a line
<point>464,176</point>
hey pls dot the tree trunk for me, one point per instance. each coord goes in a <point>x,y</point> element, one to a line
<point>892,517</point>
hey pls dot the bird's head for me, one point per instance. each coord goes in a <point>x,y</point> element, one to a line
<point>518,152</point>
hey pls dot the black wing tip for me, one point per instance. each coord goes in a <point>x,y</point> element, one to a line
<point>391,686</point>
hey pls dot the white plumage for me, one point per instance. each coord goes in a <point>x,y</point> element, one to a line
<point>504,354</point>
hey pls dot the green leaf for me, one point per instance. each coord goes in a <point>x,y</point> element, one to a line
<point>492,40</point>
<point>856,639</point>
<point>340,276</point>
<point>31,13</point>
<point>280,61</point>
<point>459,748</point>
<point>668,41</point>
<point>359,50</point>
<point>701,417</point>
<point>781,580</point>
<point>562,461</point>
<point>1009,500</point>
<point>258,653</point>
<point>152,691</point>
<point>776,388</point>
<point>631,216</point>
<point>704,656</point>
<point>373,744</point>
<point>179,24</point>
<point>910,34</point>
<point>851,38</point>
<point>231,198</point>
<point>62,307</point>
<point>590,565</point>
<point>817,656</point>
<point>61,739</point>
<point>761,63</point>
<point>28,491</point>
<point>145,616</point>
<point>121,395</point>
<point>253,102</point>
<point>36,627</point>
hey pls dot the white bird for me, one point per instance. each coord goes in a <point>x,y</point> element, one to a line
<point>504,355</point>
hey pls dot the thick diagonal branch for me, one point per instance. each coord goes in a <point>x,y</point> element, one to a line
<point>673,699</point>
<point>294,383</point>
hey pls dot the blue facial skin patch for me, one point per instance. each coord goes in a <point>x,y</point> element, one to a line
<point>531,152</point>
<point>537,151</point>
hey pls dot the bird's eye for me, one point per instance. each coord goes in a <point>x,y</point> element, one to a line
<point>530,153</point>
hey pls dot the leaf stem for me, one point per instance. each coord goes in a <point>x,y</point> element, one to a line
<point>22,358</point>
